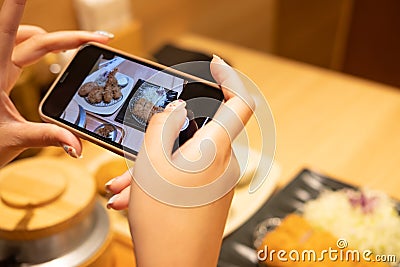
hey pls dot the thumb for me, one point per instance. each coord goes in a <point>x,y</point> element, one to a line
<point>33,134</point>
<point>164,128</point>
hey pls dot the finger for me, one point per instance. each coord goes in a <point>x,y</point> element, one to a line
<point>31,134</point>
<point>120,201</point>
<point>163,130</point>
<point>27,31</point>
<point>230,119</point>
<point>117,184</point>
<point>32,49</point>
<point>10,17</point>
<point>232,87</point>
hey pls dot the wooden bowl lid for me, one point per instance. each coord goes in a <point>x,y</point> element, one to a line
<point>43,196</point>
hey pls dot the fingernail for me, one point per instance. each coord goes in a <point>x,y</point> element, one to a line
<point>176,105</point>
<point>71,151</point>
<point>112,200</point>
<point>108,184</point>
<point>217,57</point>
<point>106,34</point>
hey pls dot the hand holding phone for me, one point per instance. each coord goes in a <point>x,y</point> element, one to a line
<point>109,97</point>
<point>21,46</point>
<point>152,201</point>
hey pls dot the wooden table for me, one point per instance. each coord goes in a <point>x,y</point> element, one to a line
<point>343,126</point>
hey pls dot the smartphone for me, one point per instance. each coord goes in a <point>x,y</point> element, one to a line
<point>108,97</point>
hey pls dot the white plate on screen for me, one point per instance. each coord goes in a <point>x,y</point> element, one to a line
<point>72,112</point>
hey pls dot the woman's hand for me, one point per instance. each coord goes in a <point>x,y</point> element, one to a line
<point>21,46</point>
<point>237,100</point>
<point>164,232</point>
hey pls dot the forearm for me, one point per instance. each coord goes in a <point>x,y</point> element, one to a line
<point>172,236</point>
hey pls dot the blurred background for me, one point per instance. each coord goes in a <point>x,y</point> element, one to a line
<point>357,37</point>
<point>360,37</point>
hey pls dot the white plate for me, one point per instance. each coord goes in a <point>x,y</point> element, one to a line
<point>245,205</point>
<point>72,112</point>
<point>110,109</point>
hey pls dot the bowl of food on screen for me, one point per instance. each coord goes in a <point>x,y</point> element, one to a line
<point>107,130</point>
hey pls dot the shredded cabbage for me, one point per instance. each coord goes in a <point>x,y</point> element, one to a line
<point>366,219</point>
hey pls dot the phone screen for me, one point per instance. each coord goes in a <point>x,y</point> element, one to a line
<point>112,97</point>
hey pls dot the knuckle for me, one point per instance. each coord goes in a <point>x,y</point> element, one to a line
<point>49,136</point>
<point>40,42</point>
<point>36,39</point>
<point>40,30</point>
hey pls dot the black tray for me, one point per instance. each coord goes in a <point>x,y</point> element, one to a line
<point>287,200</point>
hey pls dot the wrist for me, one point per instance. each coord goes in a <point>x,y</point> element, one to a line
<point>176,236</point>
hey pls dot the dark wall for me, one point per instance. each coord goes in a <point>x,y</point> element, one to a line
<point>373,48</point>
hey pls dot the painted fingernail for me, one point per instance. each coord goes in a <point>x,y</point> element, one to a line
<point>108,184</point>
<point>112,200</point>
<point>176,105</point>
<point>106,34</point>
<point>71,151</point>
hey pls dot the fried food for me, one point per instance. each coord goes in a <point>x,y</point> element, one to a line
<point>87,87</point>
<point>107,96</point>
<point>139,109</point>
<point>296,234</point>
<point>111,80</point>
<point>95,93</point>
<point>106,130</point>
<point>156,110</point>
<point>144,109</point>
<point>112,89</point>
<point>116,92</point>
